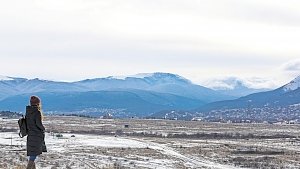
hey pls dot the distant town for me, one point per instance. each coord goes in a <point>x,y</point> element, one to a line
<point>286,115</point>
<point>289,115</point>
<point>271,115</point>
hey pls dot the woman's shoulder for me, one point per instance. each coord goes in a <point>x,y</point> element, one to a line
<point>32,109</point>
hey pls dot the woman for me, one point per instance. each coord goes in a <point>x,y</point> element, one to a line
<point>36,131</point>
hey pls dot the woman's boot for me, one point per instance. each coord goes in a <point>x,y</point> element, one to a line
<point>31,165</point>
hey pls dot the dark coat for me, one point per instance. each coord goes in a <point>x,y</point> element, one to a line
<point>36,131</point>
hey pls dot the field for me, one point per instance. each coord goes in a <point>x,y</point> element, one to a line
<point>77,142</point>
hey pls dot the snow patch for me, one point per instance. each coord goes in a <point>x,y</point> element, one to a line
<point>3,78</point>
<point>106,141</point>
<point>293,85</point>
<point>140,76</point>
<point>145,75</point>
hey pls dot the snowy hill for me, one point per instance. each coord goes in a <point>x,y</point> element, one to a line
<point>293,85</point>
<point>140,94</point>
<point>17,86</point>
<point>158,76</point>
<point>5,78</point>
<point>156,82</point>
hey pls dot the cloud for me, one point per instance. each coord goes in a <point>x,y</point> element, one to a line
<point>292,66</point>
<point>291,69</point>
<point>268,12</point>
<point>232,82</point>
<point>260,83</point>
<point>194,38</point>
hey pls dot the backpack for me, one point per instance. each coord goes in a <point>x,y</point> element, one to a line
<point>22,127</point>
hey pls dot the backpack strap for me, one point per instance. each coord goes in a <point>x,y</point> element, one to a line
<point>20,134</point>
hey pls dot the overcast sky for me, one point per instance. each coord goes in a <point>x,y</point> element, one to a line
<point>71,40</point>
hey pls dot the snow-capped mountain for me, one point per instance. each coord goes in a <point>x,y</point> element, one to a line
<point>156,82</point>
<point>17,86</point>
<point>2,78</point>
<point>157,76</point>
<point>142,93</point>
<point>293,85</point>
<point>139,81</point>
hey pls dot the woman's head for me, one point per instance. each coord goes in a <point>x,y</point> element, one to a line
<point>35,101</point>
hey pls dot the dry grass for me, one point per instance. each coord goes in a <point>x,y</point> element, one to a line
<point>262,151</point>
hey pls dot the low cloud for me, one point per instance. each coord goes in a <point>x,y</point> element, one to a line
<point>260,83</point>
<point>292,66</point>
<point>232,82</point>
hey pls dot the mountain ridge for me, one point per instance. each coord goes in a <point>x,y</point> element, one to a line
<point>157,82</point>
<point>140,95</point>
<point>279,105</point>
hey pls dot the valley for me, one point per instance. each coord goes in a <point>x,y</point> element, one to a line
<point>78,142</point>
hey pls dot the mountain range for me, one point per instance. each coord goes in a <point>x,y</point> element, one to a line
<point>136,95</point>
<point>279,105</point>
<point>288,94</point>
<point>139,95</point>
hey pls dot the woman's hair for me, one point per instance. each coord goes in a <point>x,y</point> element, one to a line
<point>36,101</point>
